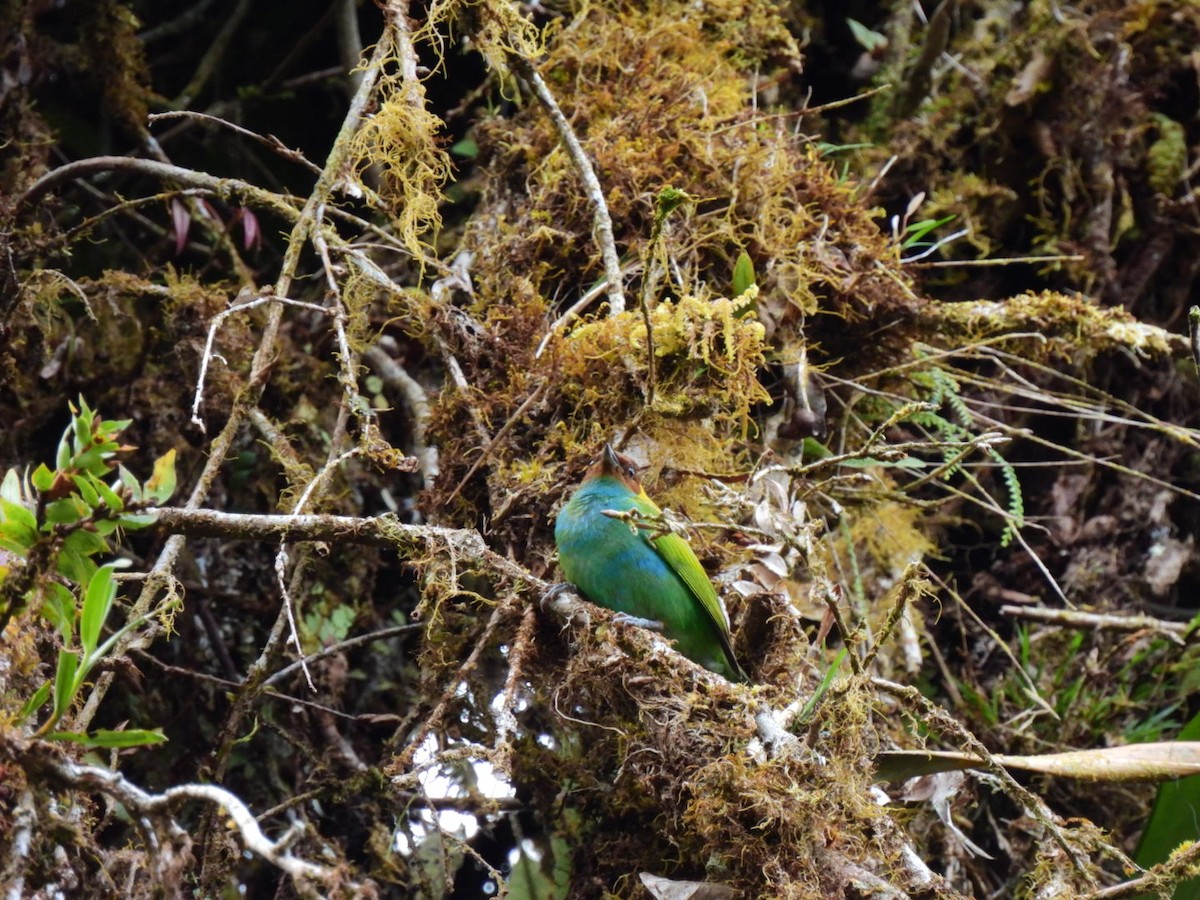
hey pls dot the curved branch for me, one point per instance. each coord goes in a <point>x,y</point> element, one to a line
<point>141,802</point>
<point>223,187</point>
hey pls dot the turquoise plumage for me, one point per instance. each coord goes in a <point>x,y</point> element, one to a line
<point>650,576</point>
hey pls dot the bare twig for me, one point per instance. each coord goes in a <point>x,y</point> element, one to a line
<point>1000,261</point>
<point>1031,689</point>
<point>268,140</point>
<point>1072,618</point>
<point>601,218</point>
<point>281,558</point>
<point>572,312</point>
<point>188,19</point>
<point>831,595</point>
<point>909,589</point>
<point>208,63</point>
<point>1166,875</point>
<point>214,325</point>
<point>341,647</point>
<point>504,429</point>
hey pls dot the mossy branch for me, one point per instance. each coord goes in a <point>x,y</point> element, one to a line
<point>384,530</point>
<point>226,188</point>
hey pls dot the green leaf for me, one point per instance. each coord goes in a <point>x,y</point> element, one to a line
<point>743,274</point>
<point>82,426</point>
<point>811,704</point>
<point>827,149</point>
<point>97,602</point>
<point>18,525</point>
<point>135,522</point>
<point>814,450</point>
<point>134,737</point>
<point>93,460</point>
<point>65,511</point>
<point>34,703</point>
<point>17,548</point>
<point>869,462</point>
<point>110,497</point>
<point>17,513</point>
<point>867,39</point>
<point>110,428</point>
<point>73,564</point>
<point>64,681</point>
<point>42,478</point>
<point>918,230</point>
<point>467,148</point>
<point>132,484</point>
<point>161,485</point>
<point>59,610</point>
<point>86,542</point>
<point>84,484</point>
<point>62,459</point>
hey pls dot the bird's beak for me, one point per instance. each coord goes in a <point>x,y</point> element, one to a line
<point>611,462</point>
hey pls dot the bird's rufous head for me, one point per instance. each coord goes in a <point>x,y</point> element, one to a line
<point>612,464</point>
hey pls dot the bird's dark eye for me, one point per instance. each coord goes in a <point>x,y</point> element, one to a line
<point>631,471</point>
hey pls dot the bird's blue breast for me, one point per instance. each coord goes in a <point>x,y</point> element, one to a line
<point>617,567</point>
<point>610,563</point>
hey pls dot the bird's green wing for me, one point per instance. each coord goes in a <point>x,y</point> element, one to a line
<point>683,562</point>
<point>678,554</point>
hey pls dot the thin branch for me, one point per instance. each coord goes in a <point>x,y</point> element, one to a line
<point>572,312</point>
<point>1167,874</point>
<point>342,646</point>
<point>1001,261</point>
<point>215,325</point>
<point>268,140</point>
<point>385,530</point>
<point>938,719</point>
<point>212,57</point>
<point>1073,618</point>
<point>504,429</point>
<point>282,559</point>
<point>602,221</point>
<point>223,187</point>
